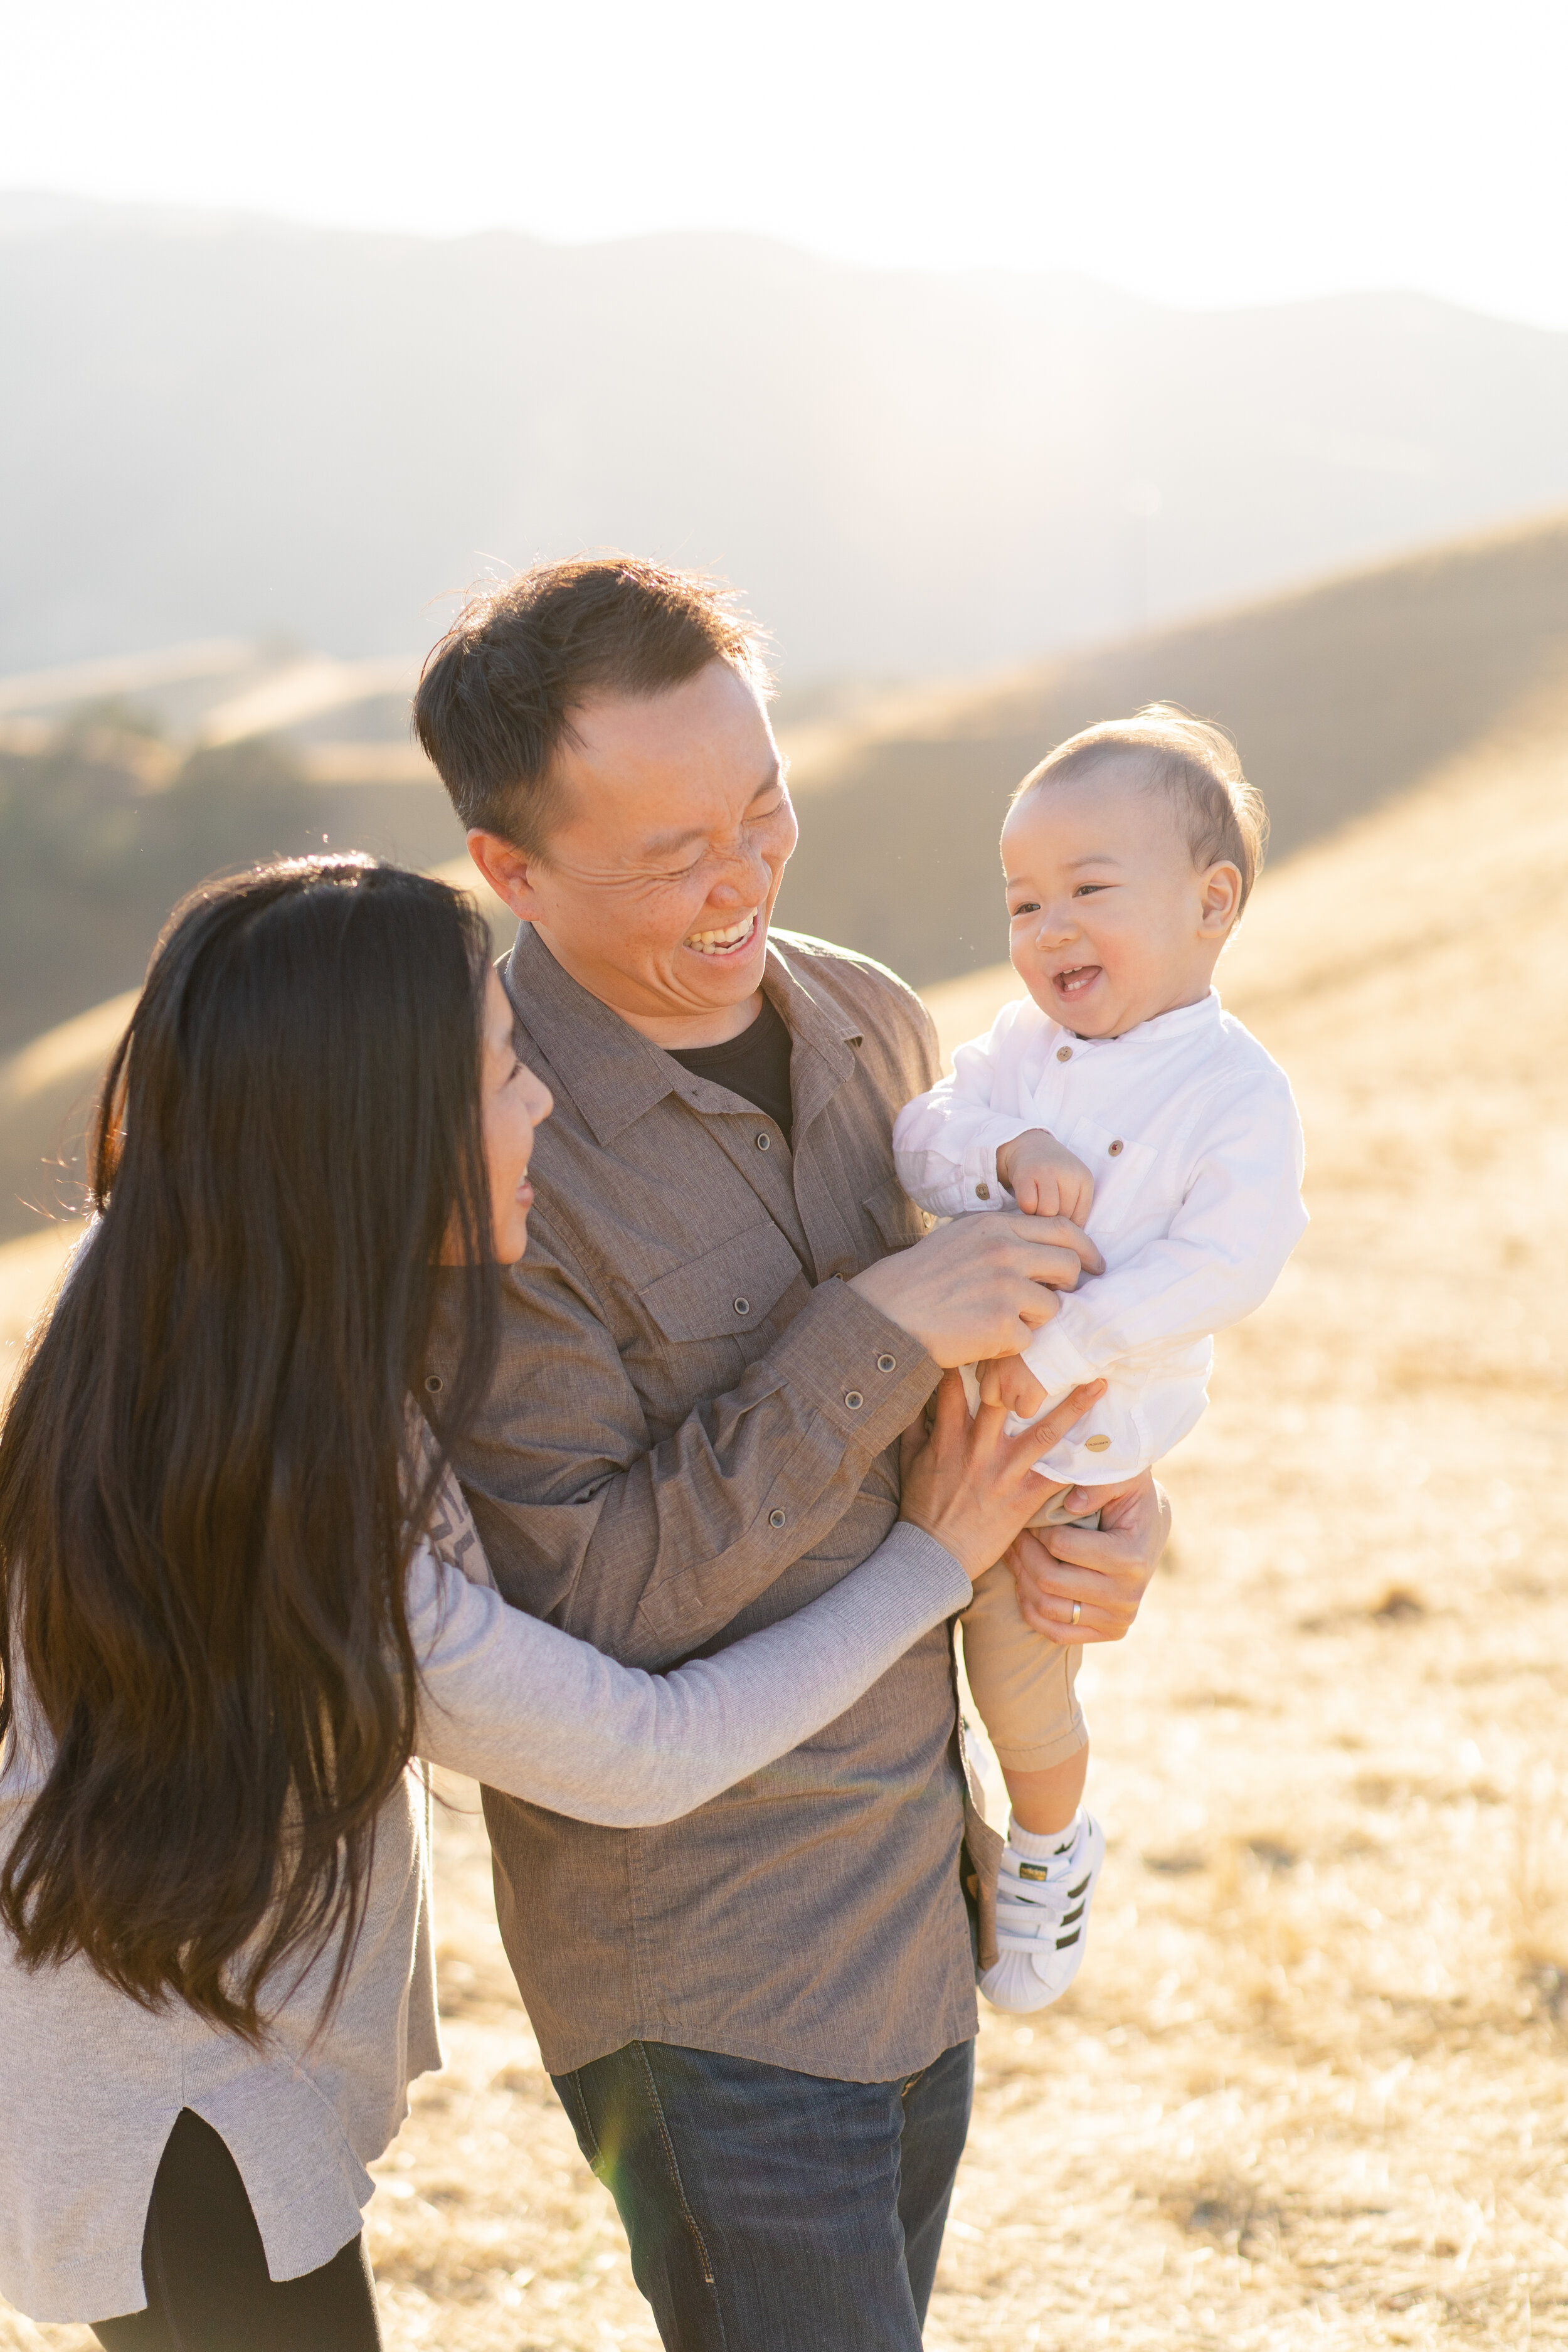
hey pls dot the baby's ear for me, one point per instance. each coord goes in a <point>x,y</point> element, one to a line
<point>1219,899</point>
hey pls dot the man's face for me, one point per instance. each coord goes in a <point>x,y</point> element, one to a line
<point>657,877</point>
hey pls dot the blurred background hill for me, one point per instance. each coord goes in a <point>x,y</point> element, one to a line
<point>1340,695</point>
<point>122,781</point>
<point>214,424</point>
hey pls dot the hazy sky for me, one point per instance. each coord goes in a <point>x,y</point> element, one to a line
<point>1210,152</point>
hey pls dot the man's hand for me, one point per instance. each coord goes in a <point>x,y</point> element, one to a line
<point>1043,1178</point>
<point>1106,1573</point>
<point>979,1286</point>
<point>1008,1381</point>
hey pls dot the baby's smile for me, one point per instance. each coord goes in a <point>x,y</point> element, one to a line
<point>1074,985</point>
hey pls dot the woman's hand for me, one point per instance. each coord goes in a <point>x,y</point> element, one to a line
<point>970,1486</point>
<point>1105,1573</point>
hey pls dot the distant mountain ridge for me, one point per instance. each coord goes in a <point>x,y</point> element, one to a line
<point>217,426</point>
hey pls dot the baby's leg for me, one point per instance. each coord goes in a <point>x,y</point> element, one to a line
<point>1044,1796</point>
<point>1045,1802</point>
<point>1024,1686</point>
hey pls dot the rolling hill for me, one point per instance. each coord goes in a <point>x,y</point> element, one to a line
<point>222,426</point>
<point>1340,697</point>
<point>1343,697</point>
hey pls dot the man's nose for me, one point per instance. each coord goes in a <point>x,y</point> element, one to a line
<point>744,879</point>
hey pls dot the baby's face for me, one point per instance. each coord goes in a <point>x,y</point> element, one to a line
<point>1111,923</point>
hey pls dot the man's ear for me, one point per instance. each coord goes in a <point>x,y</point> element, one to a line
<point>1219,902</point>
<point>507,869</point>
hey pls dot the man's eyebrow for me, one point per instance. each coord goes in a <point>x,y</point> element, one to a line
<point>662,844</point>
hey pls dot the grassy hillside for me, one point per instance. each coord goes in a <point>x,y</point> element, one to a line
<point>1340,697</point>
<point>1308,2094</point>
<point>103,827</point>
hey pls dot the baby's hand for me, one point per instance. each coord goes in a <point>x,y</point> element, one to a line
<point>1007,1380</point>
<point>1045,1179</point>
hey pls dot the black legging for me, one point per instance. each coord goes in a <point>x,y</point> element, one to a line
<point>206,2274</point>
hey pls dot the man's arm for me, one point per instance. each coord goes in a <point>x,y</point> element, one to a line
<point>647,1546</point>
<point>650,1544</point>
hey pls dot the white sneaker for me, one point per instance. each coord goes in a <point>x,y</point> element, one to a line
<point>1041,1919</point>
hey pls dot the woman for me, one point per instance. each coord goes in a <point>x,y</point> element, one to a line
<point>239,1590</point>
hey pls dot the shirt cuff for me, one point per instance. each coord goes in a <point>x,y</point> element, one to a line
<point>982,1185</point>
<point>865,1375</point>
<point>1056,1362</point>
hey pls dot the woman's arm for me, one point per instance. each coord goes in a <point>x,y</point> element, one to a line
<point>540,1714</point>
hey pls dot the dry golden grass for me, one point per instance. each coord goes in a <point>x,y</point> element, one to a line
<point>1310,2090</point>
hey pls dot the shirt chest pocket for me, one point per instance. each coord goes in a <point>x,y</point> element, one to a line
<point>1132,1199</point>
<point>729,1292</point>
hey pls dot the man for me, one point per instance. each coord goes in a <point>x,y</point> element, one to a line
<point>760,2019</point>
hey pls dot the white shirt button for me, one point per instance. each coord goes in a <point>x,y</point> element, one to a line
<point>1064,1052</point>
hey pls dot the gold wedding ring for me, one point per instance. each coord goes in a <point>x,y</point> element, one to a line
<point>1076,1611</point>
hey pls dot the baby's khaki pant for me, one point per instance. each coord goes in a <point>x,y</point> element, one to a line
<point>1023,1684</point>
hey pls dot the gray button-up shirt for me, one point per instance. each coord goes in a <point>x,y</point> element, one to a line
<point>692,1432</point>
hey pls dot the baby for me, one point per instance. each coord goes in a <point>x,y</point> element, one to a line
<point>1120,1094</point>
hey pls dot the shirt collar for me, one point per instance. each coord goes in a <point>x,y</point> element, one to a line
<point>1187,1021</point>
<point>613,1074</point>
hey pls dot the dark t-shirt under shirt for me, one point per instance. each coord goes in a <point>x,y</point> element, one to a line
<point>755,1064</point>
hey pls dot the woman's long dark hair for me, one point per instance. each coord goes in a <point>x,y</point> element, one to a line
<point>205,1511</point>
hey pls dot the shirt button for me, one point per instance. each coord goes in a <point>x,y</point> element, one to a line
<point>765,1143</point>
<point>434,1383</point>
<point>983,1192</point>
<point>743,1306</point>
<point>777,1519</point>
<point>1097,1444</point>
<point>1064,1052</point>
<point>854,1400</point>
<point>887,1363</point>
<point>1115,1149</point>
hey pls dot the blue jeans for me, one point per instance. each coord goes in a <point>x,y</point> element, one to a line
<point>771,2212</point>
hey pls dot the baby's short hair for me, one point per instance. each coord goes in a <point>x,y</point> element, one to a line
<point>1221,815</point>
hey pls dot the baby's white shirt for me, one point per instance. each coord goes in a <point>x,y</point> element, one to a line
<point>1191,1133</point>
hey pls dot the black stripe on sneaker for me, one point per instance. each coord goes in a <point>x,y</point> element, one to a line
<point>1063,1941</point>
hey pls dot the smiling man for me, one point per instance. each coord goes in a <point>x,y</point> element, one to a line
<point>760,2019</point>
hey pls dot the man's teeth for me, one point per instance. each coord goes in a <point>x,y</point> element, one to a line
<point>715,942</point>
